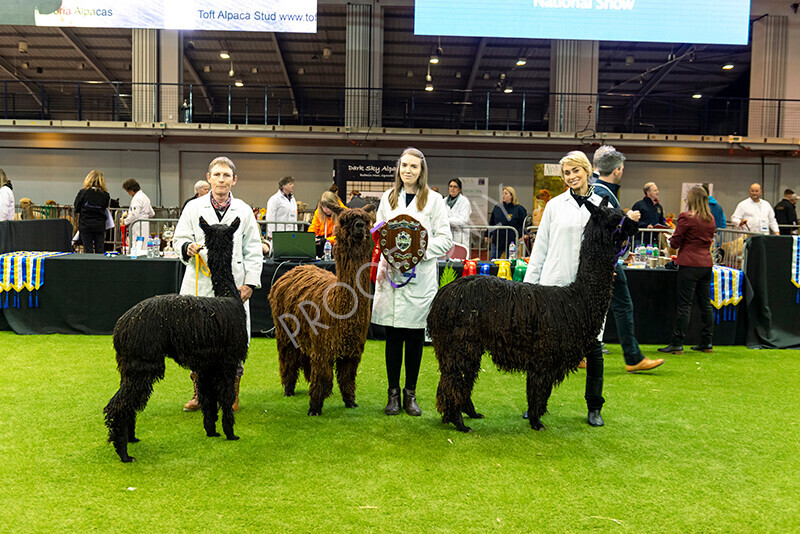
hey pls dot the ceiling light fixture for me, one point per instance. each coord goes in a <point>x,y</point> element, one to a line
<point>727,66</point>
<point>429,85</point>
<point>206,68</point>
<point>238,83</point>
<point>301,71</point>
<point>508,88</point>
<point>22,46</point>
<point>231,74</point>
<point>697,95</point>
<point>224,54</point>
<point>434,58</point>
<point>25,65</point>
<point>253,70</point>
<point>629,60</point>
<point>327,52</point>
<point>458,75</point>
<point>521,61</point>
<point>409,74</point>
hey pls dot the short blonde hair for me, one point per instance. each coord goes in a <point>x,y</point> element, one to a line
<point>513,193</point>
<point>576,157</point>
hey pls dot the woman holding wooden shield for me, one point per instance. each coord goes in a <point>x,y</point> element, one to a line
<point>416,232</point>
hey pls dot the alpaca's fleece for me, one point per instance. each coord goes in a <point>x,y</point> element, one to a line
<point>205,334</point>
<point>321,319</point>
<point>543,331</point>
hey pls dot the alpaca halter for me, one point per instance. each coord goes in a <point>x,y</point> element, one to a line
<point>200,267</point>
<point>625,244</point>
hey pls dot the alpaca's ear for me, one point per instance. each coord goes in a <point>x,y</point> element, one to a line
<point>369,208</point>
<point>204,225</point>
<point>593,210</point>
<point>337,209</point>
<point>234,225</point>
<point>604,202</point>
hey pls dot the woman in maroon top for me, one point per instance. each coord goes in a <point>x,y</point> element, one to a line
<point>693,236</point>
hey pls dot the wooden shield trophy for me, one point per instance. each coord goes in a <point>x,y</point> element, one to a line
<point>403,242</point>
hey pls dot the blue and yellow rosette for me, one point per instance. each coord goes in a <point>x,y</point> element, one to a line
<point>726,292</point>
<point>22,270</point>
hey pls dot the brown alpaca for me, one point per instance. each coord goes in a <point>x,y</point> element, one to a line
<point>321,319</point>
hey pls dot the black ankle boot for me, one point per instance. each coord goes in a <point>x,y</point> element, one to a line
<point>595,419</point>
<point>393,406</point>
<point>410,402</point>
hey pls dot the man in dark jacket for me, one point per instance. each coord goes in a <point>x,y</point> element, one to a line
<point>609,167</point>
<point>785,212</point>
<point>651,210</point>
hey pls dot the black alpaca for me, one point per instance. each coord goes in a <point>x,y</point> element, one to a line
<point>205,334</point>
<point>543,331</point>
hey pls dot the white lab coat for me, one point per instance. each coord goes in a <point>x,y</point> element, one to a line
<point>139,209</point>
<point>459,216</point>
<point>408,306</point>
<point>557,247</point>
<point>758,214</point>
<point>247,256</point>
<point>280,208</point>
<point>6,204</point>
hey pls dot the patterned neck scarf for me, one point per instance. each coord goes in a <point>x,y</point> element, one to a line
<point>221,206</point>
<point>580,199</point>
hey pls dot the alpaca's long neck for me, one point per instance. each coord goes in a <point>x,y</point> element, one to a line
<point>595,278</point>
<point>353,270</point>
<point>220,265</point>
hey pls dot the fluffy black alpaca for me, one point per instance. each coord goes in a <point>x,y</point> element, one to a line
<point>205,334</point>
<point>543,331</point>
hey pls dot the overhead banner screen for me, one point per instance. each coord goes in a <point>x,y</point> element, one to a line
<point>668,21</point>
<point>229,15</point>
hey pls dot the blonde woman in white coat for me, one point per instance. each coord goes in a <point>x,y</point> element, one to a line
<point>219,207</point>
<point>404,310</point>
<point>459,212</point>
<point>556,252</point>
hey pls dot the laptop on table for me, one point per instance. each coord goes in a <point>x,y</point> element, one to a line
<point>293,246</point>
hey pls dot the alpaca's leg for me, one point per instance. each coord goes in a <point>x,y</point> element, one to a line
<point>447,403</point>
<point>206,392</point>
<point>321,386</point>
<point>134,391</point>
<point>538,391</point>
<point>289,359</point>
<point>227,396</point>
<point>346,369</point>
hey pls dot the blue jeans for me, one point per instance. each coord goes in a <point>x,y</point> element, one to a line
<point>622,308</point>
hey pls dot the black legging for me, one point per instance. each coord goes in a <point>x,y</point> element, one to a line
<point>594,377</point>
<point>414,339</point>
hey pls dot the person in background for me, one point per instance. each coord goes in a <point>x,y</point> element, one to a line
<point>282,207</point>
<point>716,211</point>
<point>6,198</point>
<point>459,212</point>
<point>324,222</point>
<point>786,214</point>
<point>509,213</point>
<point>403,309</point>
<point>201,188</point>
<point>652,213</point>
<point>139,210</point>
<point>609,167</point>
<point>91,205</point>
<point>596,157</point>
<point>220,207</point>
<point>356,201</point>
<point>754,215</point>
<point>335,190</point>
<point>693,236</point>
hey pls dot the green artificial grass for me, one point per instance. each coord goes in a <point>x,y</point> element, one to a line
<point>706,443</point>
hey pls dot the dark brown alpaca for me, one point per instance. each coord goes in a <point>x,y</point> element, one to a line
<point>321,319</point>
